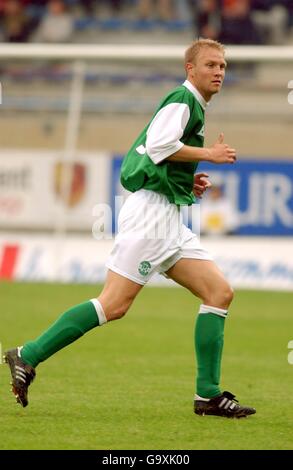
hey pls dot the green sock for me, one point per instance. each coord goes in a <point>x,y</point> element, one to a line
<point>69,327</point>
<point>209,340</point>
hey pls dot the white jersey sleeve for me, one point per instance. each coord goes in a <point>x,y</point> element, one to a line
<point>165,131</point>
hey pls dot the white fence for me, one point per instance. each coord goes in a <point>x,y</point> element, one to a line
<point>130,53</point>
<point>250,263</point>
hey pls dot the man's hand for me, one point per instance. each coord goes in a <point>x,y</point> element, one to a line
<point>220,152</point>
<point>201,184</point>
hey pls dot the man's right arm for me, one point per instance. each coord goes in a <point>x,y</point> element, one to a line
<point>217,153</point>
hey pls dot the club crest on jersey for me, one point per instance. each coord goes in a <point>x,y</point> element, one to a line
<point>201,132</point>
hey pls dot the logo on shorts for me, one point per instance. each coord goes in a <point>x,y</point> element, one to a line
<point>144,268</point>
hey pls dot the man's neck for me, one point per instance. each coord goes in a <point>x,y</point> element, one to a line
<point>202,101</point>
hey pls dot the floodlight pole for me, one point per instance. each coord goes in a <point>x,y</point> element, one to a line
<point>67,158</point>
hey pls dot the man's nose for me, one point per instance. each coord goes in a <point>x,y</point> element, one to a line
<point>219,71</point>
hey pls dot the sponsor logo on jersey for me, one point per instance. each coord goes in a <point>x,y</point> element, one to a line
<point>141,150</point>
<point>201,132</point>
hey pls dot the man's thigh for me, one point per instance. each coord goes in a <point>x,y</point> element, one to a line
<point>201,277</point>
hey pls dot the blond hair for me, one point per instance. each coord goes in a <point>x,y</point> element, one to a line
<point>195,47</point>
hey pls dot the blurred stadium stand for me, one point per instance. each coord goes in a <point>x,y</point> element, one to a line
<point>233,21</point>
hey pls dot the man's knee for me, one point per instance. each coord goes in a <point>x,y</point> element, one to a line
<point>228,295</point>
<point>115,308</point>
<point>225,296</point>
<point>118,312</point>
<point>221,296</point>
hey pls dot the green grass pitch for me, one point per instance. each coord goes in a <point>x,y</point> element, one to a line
<point>130,384</point>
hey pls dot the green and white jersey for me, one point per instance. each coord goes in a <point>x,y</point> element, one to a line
<point>178,121</point>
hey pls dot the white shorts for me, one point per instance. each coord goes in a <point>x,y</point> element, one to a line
<point>151,238</point>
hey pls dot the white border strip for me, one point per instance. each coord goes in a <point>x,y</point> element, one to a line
<point>217,311</point>
<point>100,312</point>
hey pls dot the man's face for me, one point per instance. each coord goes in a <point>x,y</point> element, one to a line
<point>208,72</point>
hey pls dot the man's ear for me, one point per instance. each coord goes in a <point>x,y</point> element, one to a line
<point>188,67</point>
